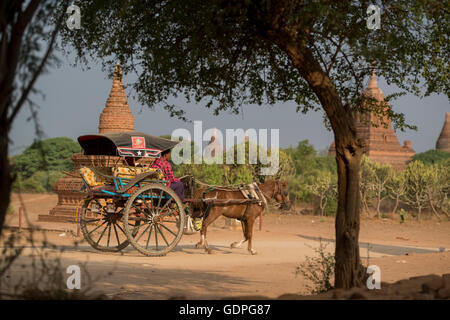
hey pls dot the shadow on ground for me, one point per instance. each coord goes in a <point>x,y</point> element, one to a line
<point>379,248</point>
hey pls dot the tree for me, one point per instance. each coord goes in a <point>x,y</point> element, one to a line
<point>418,178</point>
<point>49,154</point>
<point>437,187</point>
<point>396,188</point>
<point>443,200</point>
<point>367,174</point>
<point>375,177</point>
<point>228,53</point>
<point>308,167</point>
<point>324,187</point>
<point>27,38</point>
<point>432,156</point>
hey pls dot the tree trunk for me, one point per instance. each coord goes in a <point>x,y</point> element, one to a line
<point>364,202</point>
<point>419,207</point>
<point>433,208</point>
<point>321,206</point>
<point>5,171</point>
<point>349,271</point>
<point>394,211</point>
<point>378,205</point>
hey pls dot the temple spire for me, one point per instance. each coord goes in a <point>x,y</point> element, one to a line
<point>443,143</point>
<point>373,84</point>
<point>116,116</point>
<point>372,88</point>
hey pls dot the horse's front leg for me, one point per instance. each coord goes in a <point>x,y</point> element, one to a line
<point>213,215</point>
<point>203,242</point>
<point>237,244</point>
<point>200,243</point>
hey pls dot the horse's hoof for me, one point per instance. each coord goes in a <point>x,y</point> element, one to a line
<point>198,245</point>
<point>234,245</point>
<point>209,251</point>
<point>253,252</point>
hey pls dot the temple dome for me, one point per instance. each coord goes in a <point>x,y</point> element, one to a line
<point>443,143</point>
<point>382,143</point>
<point>116,116</point>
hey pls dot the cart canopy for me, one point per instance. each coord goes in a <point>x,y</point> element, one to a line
<point>128,144</point>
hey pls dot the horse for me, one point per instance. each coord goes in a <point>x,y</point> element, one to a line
<point>246,213</point>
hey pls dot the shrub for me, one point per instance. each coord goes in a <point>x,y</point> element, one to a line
<point>318,270</point>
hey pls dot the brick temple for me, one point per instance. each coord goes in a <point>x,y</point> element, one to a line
<point>115,117</point>
<point>382,144</point>
<point>443,143</point>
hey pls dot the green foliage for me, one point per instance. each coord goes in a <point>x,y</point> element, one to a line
<point>40,165</point>
<point>247,172</point>
<point>230,54</point>
<point>41,181</point>
<point>50,154</point>
<point>396,188</point>
<point>419,178</point>
<point>324,187</point>
<point>419,186</point>
<point>432,156</point>
<point>308,168</point>
<point>374,178</point>
<point>318,270</point>
<point>332,206</point>
<point>402,214</point>
<point>27,185</point>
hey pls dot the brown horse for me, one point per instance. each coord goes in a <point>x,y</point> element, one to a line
<point>271,189</point>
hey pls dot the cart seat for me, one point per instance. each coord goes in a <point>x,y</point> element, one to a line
<point>130,172</point>
<point>96,178</point>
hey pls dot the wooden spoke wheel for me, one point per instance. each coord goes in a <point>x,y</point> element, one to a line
<point>154,219</point>
<point>101,224</point>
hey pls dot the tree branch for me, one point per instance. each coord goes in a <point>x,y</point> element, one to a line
<point>36,74</point>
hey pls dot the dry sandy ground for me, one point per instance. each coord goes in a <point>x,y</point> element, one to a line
<point>400,250</point>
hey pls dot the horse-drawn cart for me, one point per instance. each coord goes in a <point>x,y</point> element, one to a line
<point>130,203</point>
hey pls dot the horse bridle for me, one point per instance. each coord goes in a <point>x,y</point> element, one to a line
<point>275,192</point>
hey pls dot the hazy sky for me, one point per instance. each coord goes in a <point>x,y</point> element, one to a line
<point>74,100</point>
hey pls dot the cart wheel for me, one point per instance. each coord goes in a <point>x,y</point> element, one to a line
<point>154,219</point>
<point>100,223</point>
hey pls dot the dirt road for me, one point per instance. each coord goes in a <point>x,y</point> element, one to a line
<point>401,251</point>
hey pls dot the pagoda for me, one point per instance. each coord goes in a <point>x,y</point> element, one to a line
<point>382,144</point>
<point>115,117</point>
<point>443,143</point>
<point>214,147</point>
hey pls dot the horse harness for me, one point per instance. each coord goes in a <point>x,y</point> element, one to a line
<point>249,196</point>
